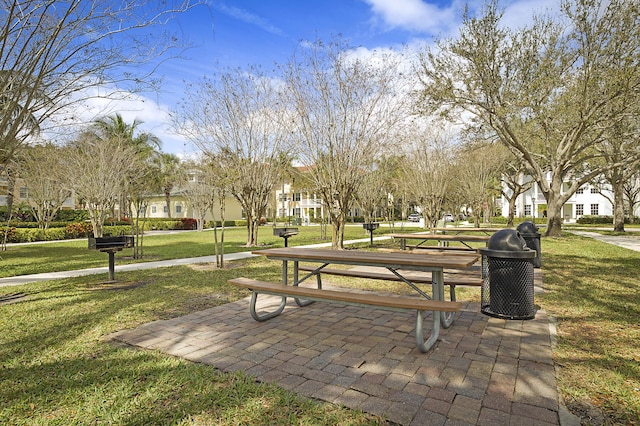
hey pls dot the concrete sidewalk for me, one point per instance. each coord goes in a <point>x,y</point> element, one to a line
<point>26,279</point>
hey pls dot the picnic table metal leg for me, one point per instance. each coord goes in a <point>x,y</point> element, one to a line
<point>296,282</point>
<point>264,317</point>
<point>446,318</point>
<point>423,345</point>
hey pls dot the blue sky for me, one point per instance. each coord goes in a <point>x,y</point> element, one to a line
<point>238,33</point>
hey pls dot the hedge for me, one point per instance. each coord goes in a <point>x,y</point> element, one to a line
<point>601,220</point>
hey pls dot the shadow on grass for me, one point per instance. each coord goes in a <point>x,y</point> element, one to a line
<point>594,291</point>
<point>55,366</point>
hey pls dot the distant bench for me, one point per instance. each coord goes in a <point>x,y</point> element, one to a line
<point>452,280</point>
<point>420,305</point>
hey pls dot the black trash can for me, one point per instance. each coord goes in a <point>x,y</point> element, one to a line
<point>529,231</point>
<point>507,289</point>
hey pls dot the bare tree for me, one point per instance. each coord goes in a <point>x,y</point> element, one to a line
<point>548,90</point>
<point>427,173</point>
<point>53,52</point>
<point>345,107</point>
<point>240,120</point>
<point>632,193</point>
<point>477,176</point>
<point>199,192</point>
<point>370,196</point>
<point>97,170</point>
<point>40,172</point>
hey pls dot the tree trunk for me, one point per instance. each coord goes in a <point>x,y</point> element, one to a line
<point>512,211</point>
<point>167,197</point>
<point>554,217</point>
<point>252,231</point>
<point>618,207</point>
<point>337,237</point>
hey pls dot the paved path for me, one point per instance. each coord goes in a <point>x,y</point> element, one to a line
<point>631,242</point>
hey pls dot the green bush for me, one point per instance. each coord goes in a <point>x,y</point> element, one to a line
<point>601,220</point>
<point>27,235</point>
<point>78,230</point>
<point>117,230</point>
<point>72,216</point>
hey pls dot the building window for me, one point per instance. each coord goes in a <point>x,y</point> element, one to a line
<point>580,190</point>
<point>23,192</point>
<point>297,196</point>
<point>594,210</point>
<point>297,212</point>
<point>594,190</point>
<point>579,209</point>
<point>154,209</point>
<point>527,209</point>
<point>178,208</point>
<point>165,209</point>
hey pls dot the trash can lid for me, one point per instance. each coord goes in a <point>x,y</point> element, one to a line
<point>507,240</point>
<point>508,243</point>
<point>527,227</point>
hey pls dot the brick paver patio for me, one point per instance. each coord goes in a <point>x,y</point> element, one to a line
<point>483,370</point>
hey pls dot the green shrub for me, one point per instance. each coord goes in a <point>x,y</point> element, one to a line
<point>117,230</point>
<point>78,230</point>
<point>72,216</point>
<point>28,235</point>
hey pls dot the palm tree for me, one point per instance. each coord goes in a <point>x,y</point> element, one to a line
<point>169,175</point>
<point>146,145</point>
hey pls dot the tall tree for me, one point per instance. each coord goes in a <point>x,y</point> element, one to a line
<point>240,120</point>
<point>53,52</point>
<point>46,190</point>
<point>170,175</point>
<point>427,172</point>
<point>345,107</point>
<point>145,147</point>
<point>97,170</point>
<point>548,90</point>
<point>477,176</point>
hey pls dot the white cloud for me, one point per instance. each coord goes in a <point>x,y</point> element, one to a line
<point>97,102</point>
<point>415,15</point>
<point>247,17</point>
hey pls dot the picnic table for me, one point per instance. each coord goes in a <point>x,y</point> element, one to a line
<point>442,239</point>
<point>396,263</point>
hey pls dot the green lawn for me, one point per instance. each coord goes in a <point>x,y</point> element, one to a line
<point>70,255</point>
<point>57,368</point>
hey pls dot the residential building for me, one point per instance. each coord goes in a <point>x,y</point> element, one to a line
<point>588,200</point>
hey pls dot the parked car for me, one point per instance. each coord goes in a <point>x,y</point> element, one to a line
<point>414,217</point>
<point>448,218</point>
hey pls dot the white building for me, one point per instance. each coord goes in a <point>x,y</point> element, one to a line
<point>587,200</point>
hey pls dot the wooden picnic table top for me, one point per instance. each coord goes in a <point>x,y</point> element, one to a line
<point>369,258</point>
<point>461,229</point>
<point>442,237</point>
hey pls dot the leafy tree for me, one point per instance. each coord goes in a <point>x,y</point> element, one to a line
<point>549,91</point>
<point>53,53</point>
<point>477,176</point>
<point>169,174</point>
